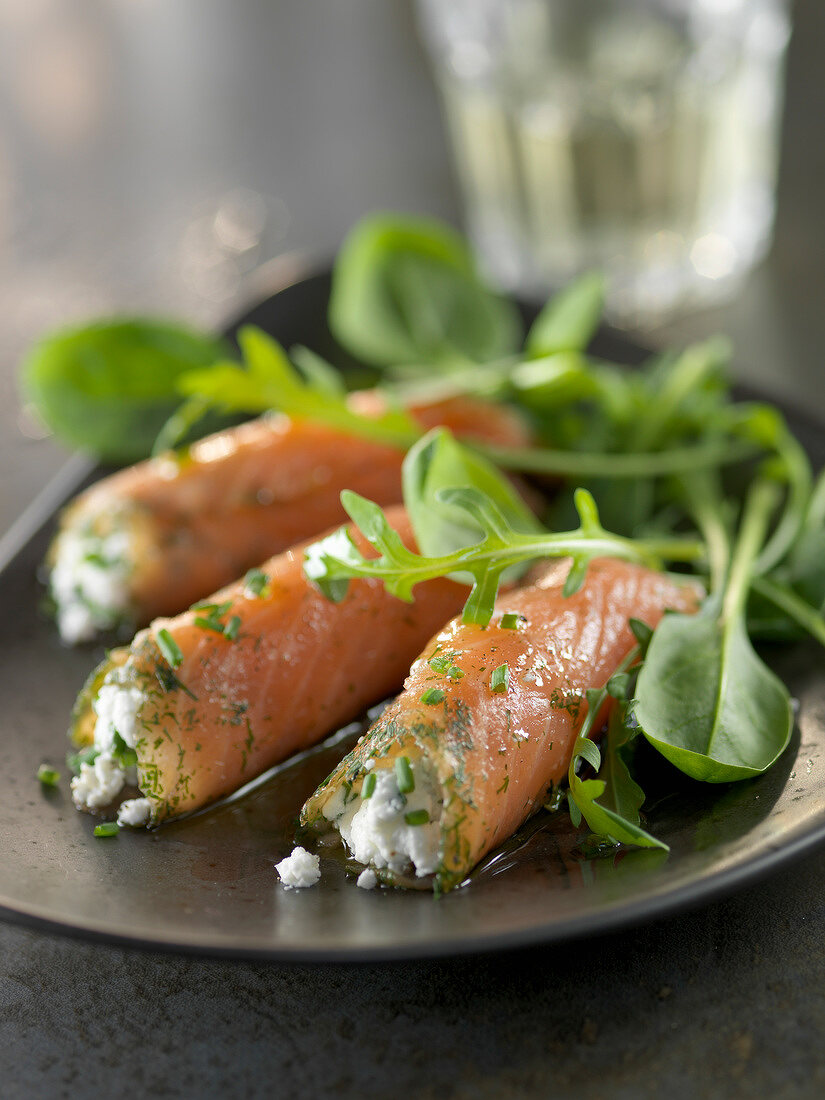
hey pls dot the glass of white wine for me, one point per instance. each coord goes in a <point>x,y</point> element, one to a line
<point>635,136</point>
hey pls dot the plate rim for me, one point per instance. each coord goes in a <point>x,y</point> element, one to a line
<point>619,916</point>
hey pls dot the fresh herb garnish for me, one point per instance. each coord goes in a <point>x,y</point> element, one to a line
<point>440,664</point>
<point>169,648</point>
<point>255,582</point>
<point>75,760</point>
<point>123,753</point>
<point>417,817</point>
<point>432,696</point>
<point>331,562</point>
<point>368,786</point>
<point>232,627</point>
<point>404,775</point>
<point>510,621</point>
<point>210,623</point>
<point>49,777</point>
<point>500,680</point>
<point>107,828</point>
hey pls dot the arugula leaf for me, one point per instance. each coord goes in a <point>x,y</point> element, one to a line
<point>330,562</point>
<point>705,700</point>
<point>569,320</point>
<point>406,290</point>
<point>317,371</point>
<point>622,794</point>
<point>438,462</point>
<point>267,380</point>
<point>616,816</point>
<point>108,388</point>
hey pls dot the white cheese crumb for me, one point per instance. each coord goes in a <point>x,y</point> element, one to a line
<point>116,707</point>
<point>89,582</point>
<point>98,783</point>
<point>376,832</point>
<point>135,812</point>
<point>300,869</point>
<point>368,879</point>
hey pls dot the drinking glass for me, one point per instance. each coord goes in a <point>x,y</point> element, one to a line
<point>635,136</point>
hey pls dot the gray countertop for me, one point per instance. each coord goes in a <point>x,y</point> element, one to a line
<point>285,122</point>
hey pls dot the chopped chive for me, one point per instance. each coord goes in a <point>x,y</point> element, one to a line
<point>209,624</point>
<point>255,581</point>
<point>108,828</point>
<point>86,756</point>
<point>213,609</point>
<point>454,672</point>
<point>231,629</point>
<point>432,696</point>
<point>169,648</point>
<point>439,664</point>
<point>48,776</point>
<point>510,621</point>
<point>368,787</point>
<point>417,817</point>
<point>500,680</point>
<point>404,775</point>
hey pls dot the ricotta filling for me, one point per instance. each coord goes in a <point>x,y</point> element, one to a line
<point>117,706</point>
<point>300,869</point>
<point>89,582</point>
<point>391,830</point>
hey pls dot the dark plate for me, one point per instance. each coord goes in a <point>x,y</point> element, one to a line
<point>207,884</point>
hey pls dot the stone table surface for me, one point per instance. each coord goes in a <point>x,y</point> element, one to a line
<point>153,157</point>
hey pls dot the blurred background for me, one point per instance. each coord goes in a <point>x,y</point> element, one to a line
<point>165,156</point>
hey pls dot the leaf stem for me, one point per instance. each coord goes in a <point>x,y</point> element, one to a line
<point>798,473</point>
<point>678,460</point>
<point>706,505</point>
<point>759,504</point>
<point>794,606</point>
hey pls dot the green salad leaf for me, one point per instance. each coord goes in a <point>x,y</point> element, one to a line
<point>705,700</point>
<point>109,387</point>
<point>406,290</point>
<point>266,380</point>
<point>333,561</point>
<point>609,804</point>
<point>439,462</point>
<point>569,320</point>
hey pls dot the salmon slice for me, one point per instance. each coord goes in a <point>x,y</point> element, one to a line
<point>459,765</point>
<point>152,539</point>
<point>199,712</point>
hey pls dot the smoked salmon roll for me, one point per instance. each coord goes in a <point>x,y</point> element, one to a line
<point>486,725</point>
<point>200,704</point>
<point>153,538</point>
